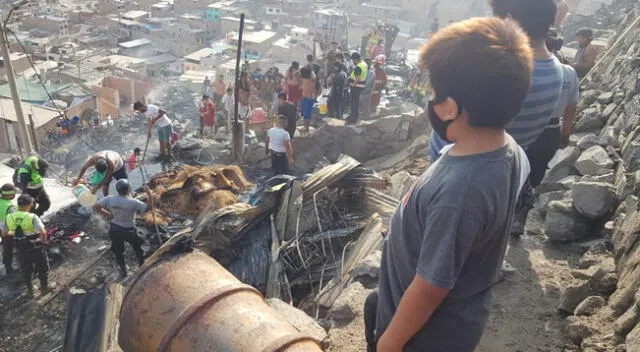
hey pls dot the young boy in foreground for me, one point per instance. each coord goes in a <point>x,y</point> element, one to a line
<point>447,238</point>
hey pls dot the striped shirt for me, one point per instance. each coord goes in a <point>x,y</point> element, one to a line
<point>537,108</point>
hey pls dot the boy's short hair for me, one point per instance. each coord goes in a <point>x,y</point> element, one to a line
<point>305,72</point>
<point>535,16</point>
<point>484,64</point>
<point>282,95</point>
<point>585,32</point>
<point>138,105</point>
<point>25,200</point>
<point>229,89</point>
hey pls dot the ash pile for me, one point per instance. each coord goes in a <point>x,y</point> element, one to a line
<point>297,239</point>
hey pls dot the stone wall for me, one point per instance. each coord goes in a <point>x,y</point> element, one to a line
<point>365,141</point>
<point>589,198</point>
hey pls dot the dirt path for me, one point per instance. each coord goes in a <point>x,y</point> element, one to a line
<point>524,316</point>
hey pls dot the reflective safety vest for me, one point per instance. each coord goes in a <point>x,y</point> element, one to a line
<point>31,167</point>
<point>364,69</point>
<point>5,205</point>
<point>22,219</point>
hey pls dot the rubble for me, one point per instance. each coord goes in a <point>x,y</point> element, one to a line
<point>594,161</point>
<point>343,310</point>
<point>299,319</point>
<point>593,199</point>
<point>590,305</point>
<point>564,223</point>
<point>194,190</point>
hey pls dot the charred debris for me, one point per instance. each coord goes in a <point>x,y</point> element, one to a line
<point>295,239</point>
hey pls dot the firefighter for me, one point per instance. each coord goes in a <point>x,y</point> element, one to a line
<point>7,194</point>
<point>30,238</point>
<point>30,180</point>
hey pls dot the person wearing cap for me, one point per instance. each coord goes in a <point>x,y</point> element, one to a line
<point>7,194</point>
<point>31,181</point>
<point>207,116</point>
<point>358,80</point>
<point>29,237</point>
<point>121,211</point>
<point>108,165</point>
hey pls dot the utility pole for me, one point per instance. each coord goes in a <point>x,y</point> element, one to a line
<point>24,140</point>
<point>238,137</point>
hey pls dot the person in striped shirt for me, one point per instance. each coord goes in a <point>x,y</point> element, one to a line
<point>536,18</point>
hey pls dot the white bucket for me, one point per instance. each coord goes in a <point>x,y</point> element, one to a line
<point>84,196</point>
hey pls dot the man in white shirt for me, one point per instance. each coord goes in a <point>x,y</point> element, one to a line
<point>228,102</point>
<point>158,117</point>
<point>244,115</point>
<point>278,144</point>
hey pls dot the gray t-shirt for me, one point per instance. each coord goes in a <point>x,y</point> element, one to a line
<point>451,229</point>
<point>123,209</point>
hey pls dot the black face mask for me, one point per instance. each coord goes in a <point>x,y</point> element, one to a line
<point>439,126</point>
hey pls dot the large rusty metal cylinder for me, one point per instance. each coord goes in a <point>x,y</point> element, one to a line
<point>188,302</point>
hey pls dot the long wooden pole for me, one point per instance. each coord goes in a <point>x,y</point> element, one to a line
<point>236,140</point>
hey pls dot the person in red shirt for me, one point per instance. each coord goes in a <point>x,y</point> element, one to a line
<point>208,115</point>
<point>132,162</point>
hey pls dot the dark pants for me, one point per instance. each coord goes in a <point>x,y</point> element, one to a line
<point>279,163</point>
<point>42,200</point>
<point>355,104</point>
<point>370,312</point>
<point>335,103</point>
<point>33,259</point>
<point>7,253</point>
<point>119,235</point>
<point>541,152</point>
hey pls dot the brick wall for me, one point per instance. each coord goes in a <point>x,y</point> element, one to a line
<point>124,87</point>
<point>109,100</point>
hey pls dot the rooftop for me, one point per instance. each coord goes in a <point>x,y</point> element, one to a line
<point>161,5</point>
<point>382,7</point>
<point>41,115</point>
<point>124,21</point>
<point>136,14</point>
<point>222,4</point>
<point>237,19</point>
<point>300,30</point>
<point>31,91</point>
<point>330,12</point>
<point>160,59</point>
<point>255,37</point>
<point>191,17</point>
<point>53,18</point>
<point>198,55</point>
<point>135,43</point>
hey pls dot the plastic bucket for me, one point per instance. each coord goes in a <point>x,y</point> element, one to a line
<point>323,109</point>
<point>84,195</point>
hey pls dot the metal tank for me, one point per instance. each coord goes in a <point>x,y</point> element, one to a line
<point>183,301</point>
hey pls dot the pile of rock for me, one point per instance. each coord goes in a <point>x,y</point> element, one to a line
<point>590,195</point>
<point>368,140</point>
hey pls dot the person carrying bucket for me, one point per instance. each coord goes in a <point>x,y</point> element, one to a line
<point>108,165</point>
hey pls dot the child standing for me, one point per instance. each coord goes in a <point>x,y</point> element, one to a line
<point>308,95</point>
